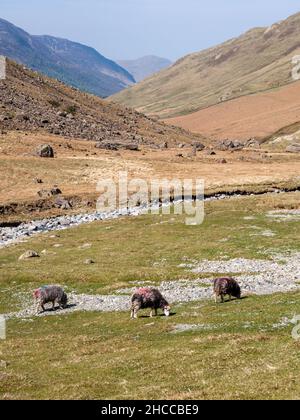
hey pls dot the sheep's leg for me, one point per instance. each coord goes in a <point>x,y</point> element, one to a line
<point>38,307</point>
<point>151,313</point>
<point>134,312</point>
<point>155,311</point>
<point>216,298</point>
<point>222,298</point>
<point>61,306</point>
<point>53,305</point>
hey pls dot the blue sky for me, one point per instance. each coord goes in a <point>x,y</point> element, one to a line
<point>133,28</point>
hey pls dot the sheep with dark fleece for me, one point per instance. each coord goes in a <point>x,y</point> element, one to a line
<point>53,294</point>
<point>226,286</point>
<point>147,297</point>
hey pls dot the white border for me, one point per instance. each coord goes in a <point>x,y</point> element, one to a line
<point>2,67</point>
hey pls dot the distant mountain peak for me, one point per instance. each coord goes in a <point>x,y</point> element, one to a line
<point>145,66</point>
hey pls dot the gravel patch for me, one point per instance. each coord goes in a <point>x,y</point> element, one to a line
<point>283,323</point>
<point>14,235</point>
<point>266,233</point>
<point>284,215</point>
<point>10,236</point>
<point>180,328</point>
<point>282,274</point>
<point>78,303</point>
<point>179,291</point>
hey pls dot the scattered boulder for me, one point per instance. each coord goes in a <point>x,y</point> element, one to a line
<point>164,145</point>
<point>38,181</point>
<point>63,204</point>
<point>223,161</point>
<point>89,262</point>
<point>252,143</point>
<point>85,246</point>
<point>3,118</point>
<point>293,148</point>
<point>45,151</point>
<point>193,153</point>
<point>28,254</point>
<point>46,252</point>
<point>225,145</point>
<point>117,146</point>
<point>198,146</point>
<point>62,114</point>
<point>132,146</point>
<point>3,364</point>
<point>49,193</point>
<point>210,153</point>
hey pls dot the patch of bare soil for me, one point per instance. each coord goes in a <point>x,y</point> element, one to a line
<point>257,116</point>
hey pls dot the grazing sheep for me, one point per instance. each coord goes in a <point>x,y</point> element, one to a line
<point>51,294</point>
<point>147,297</point>
<point>226,286</point>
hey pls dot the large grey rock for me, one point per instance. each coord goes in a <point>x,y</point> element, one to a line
<point>49,193</point>
<point>210,152</point>
<point>45,151</point>
<point>89,261</point>
<point>62,203</point>
<point>198,146</point>
<point>117,146</point>
<point>28,254</point>
<point>225,145</point>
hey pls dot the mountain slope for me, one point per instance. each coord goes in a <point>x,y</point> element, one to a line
<point>72,63</point>
<point>257,115</point>
<point>31,102</point>
<point>144,67</point>
<point>256,61</point>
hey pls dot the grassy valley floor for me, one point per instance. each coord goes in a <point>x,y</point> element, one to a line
<point>242,349</point>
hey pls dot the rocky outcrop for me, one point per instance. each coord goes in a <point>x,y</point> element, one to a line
<point>117,146</point>
<point>198,146</point>
<point>225,145</point>
<point>45,151</point>
<point>49,193</point>
<point>293,148</point>
<point>62,203</point>
<point>28,255</point>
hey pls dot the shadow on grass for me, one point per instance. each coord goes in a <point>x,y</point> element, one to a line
<point>233,300</point>
<point>158,316</point>
<point>57,308</point>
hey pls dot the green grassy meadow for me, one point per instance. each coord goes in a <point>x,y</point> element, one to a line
<point>239,350</point>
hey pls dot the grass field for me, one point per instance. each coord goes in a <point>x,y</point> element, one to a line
<point>241,349</point>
